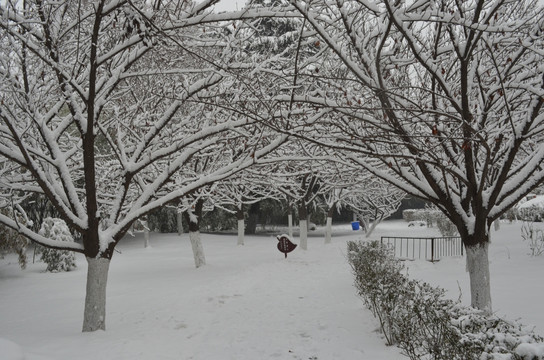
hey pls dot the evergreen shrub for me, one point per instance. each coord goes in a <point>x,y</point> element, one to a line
<point>418,318</point>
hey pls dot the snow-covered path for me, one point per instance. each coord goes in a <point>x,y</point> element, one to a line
<point>249,302</point>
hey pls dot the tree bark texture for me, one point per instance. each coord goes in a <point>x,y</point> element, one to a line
<point>478,269</point>
<point>303,235</point>
<point>179,218</point>
<point>94,316</point>
<point>198,249</point>
<point>241,225</point>
<point>303,225</point>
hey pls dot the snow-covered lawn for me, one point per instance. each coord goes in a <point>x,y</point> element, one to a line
<point>247,303</point>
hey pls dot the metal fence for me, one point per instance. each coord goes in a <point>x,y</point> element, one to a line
<point>432,249</point>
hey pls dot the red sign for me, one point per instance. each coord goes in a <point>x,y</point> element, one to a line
<point>285,245</point>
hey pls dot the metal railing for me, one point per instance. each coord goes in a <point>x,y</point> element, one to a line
<point>431,249</point>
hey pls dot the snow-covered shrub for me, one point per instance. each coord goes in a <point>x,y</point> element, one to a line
<point>379,282</point>
<point>534,236</point>
<point>431,216</point>
<point>531,214</point>
<point>419,320</point>
<point>425,327</point>
<point>409,215</point>
<point>496,337</point>
<point>57,260</point>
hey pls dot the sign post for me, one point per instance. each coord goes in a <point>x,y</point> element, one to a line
<point>285,245</point>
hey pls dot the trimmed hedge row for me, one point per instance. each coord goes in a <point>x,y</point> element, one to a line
<point>418,318</point>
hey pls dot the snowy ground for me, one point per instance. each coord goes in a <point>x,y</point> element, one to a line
<point>247,303</point>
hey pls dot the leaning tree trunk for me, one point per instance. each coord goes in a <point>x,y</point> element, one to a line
<point>94,316</point>
<point>478,269</point>
<point>241,225</point>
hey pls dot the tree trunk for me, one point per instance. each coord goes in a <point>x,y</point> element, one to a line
<point>241,225</point>
<point>328,230</point>
<point>146,234</point>
<point>303,235</point>
<point>94,316</point>
<point>198,249</point>
<point>478,269</point>
<point>303,227</point>
<point>193,217</point>
<point>290,224</point>
<point>179,218</point>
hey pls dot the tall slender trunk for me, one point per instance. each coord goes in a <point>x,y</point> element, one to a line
<point>179,218</point>
<point>303,235</point>
<point>241,225</point>
<point>290,223</point>
<point>328,230</point>
<point>94,316</point>
<point>303,226</point>
<point>146,233</point>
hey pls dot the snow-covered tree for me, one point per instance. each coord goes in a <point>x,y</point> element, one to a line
<point>446,94</point>
<point>95,116</point>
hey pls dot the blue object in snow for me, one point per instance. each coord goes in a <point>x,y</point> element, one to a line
<point>355,225</point>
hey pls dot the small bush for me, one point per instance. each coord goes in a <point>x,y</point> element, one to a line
<point>57,260</point>
<point>422,323</point>
<point>534,236</point>
<point>431,216</point>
